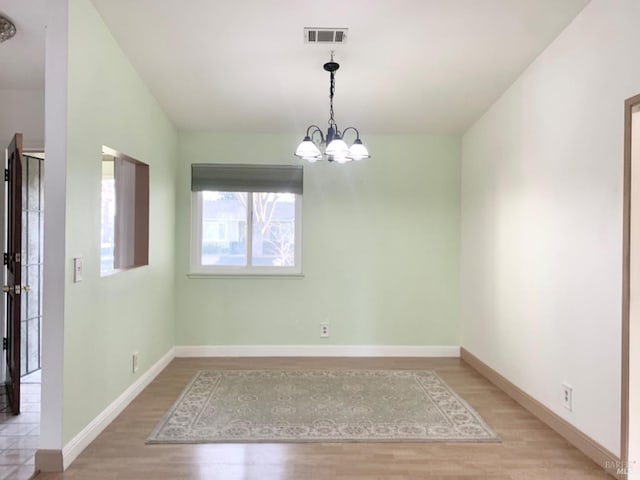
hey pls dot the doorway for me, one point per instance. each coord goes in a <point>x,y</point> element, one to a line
<point>32,243</point>
<point>19,434</point>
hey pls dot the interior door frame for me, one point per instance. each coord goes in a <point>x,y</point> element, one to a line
<point>629,105</point>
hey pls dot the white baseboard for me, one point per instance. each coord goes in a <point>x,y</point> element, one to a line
<point>317,351</point>
<point>89,433</point>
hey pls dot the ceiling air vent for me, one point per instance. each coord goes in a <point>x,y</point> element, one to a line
<point>325,35</point>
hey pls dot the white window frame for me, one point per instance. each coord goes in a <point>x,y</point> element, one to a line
<point>199,270</point>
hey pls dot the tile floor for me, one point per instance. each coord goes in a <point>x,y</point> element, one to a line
<point>19,433</point>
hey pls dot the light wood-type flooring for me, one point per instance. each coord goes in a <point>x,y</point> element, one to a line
<point>529,450</point>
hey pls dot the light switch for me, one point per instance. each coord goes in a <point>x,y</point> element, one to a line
<point>77,269</point>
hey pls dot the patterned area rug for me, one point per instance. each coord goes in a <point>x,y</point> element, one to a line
<point>320,406</point>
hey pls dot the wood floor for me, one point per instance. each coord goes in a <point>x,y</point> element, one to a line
<point>529,450</point>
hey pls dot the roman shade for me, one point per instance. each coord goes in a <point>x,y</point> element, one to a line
<point>224,177</point>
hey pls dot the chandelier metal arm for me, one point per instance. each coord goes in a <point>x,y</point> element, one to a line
<point>312,130</point>
<point>351,128</point>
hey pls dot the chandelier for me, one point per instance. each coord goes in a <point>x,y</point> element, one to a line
<point>335,149</point>
<point>7,29</point>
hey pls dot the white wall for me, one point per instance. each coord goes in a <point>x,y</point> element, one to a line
<point>55,177</point>
<point>22,111</point>
<point>542,221</point>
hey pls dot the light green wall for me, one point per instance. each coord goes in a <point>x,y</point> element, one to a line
<point>380,249</point>
<point>107,319</point>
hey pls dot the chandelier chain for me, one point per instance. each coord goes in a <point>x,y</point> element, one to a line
<point>332,89</point>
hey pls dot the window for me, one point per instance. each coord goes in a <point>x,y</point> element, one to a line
<point>246,219</point>
<point>124,226</point>
<point>214,231</point>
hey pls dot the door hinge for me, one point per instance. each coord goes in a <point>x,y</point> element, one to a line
<point>4,343</point>
<point>6,174</point>
<point>16,258</point>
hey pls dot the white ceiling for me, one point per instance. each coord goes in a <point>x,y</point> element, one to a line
<point>409,66</point>
<point>22,57</point>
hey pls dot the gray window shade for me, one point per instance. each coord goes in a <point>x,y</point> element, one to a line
<point>221,177</point>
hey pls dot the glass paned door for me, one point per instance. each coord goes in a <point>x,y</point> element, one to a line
<point>32,255</point>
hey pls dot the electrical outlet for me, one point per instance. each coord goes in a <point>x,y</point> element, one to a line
<point>134,363</point>
<point>567,396</point>
<point>324,329</point>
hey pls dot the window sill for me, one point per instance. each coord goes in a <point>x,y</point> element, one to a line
<point>245,275</point>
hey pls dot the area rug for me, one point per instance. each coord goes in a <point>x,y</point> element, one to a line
<point>320,406</point>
